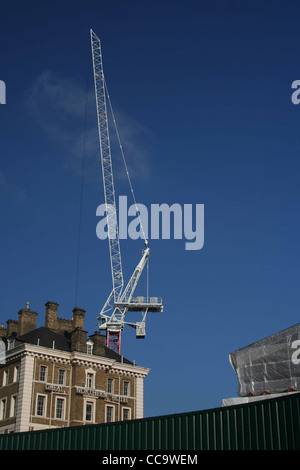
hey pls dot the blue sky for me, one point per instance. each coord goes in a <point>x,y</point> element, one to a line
<point>202,94</point>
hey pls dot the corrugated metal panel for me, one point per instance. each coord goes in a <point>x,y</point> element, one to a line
<point>272,424</point>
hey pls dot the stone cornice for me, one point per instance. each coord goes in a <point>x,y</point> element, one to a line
<point>110,365</point>
<point>81,359</point>
<point>40,352</point>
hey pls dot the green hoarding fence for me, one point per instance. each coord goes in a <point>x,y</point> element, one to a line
<point>270,424</point>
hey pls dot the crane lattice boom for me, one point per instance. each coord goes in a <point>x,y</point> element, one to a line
<point>119,302</point>
<point>107,171</point>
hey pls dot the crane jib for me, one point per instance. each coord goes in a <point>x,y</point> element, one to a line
<point>119,302</point>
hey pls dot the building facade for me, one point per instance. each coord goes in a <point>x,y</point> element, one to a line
<point>56,376</point>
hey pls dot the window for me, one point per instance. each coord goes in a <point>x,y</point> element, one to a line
<point>13,402</point>
<point>89,411</point>
<point>16,373</point>
<point>126,388</point>
<point>110,414</point>
<point>2,408</point>
<point>2,352</point>
<point>40,405</point>
<point>110,385</point>
<point>43,373</point>
<point>11,344</point>
<point>89,347</point>
<point>60,408</point>
<point>61,376</point>
<point>126,414</point>
<point>90,380</point>
<point>5,378</point>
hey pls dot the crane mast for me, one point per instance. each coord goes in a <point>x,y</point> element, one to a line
<point>119,302</point>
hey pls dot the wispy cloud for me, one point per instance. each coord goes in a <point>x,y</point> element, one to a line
<point>59,106</point>
<point>133,138</point>
<point>11,190</point>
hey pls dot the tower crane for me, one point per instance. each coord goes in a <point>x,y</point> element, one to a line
<point>120,301</point>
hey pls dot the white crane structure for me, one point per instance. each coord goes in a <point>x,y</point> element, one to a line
<point>120,301</point>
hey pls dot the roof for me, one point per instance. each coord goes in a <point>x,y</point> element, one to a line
<point>110,354</point>
<point>45,337</point>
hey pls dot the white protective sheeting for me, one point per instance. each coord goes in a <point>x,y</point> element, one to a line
<point>271,365</point>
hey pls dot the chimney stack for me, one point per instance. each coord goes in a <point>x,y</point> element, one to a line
<point>99,343</point>
<point>27,321</point>
<point>78,318</point>
<point>51,315</point>
<point>78,340</point>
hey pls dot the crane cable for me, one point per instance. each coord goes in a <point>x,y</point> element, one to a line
<point>126,168</point>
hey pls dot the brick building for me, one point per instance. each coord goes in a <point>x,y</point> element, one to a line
<point>56,376</point>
